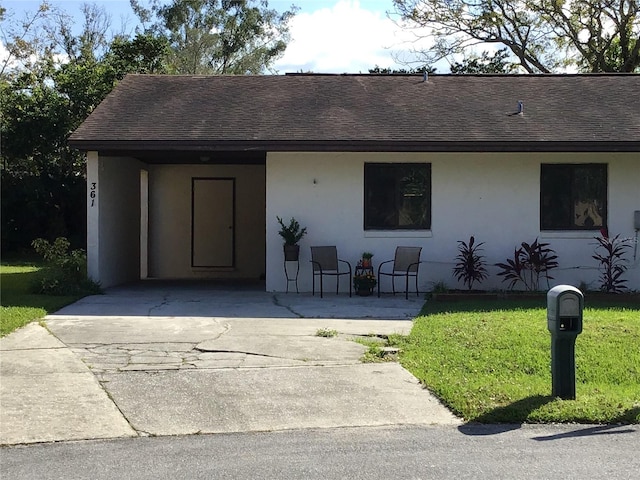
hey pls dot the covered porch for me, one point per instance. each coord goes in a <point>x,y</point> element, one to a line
<point>175,215</point>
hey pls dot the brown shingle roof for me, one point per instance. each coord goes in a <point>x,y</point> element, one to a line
<point>367,112</point>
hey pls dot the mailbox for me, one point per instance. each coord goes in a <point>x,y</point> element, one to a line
<point>564,320</point>
<point>564,310</point>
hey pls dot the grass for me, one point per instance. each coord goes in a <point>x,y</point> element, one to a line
<point>18,306</point>
<point>326,332</point>
<point>490,362</point>
<point>375,352</point>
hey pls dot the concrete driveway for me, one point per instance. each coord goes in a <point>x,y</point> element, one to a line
<point>162,358</point>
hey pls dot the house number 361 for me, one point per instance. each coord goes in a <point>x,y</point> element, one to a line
<point>92,193</point>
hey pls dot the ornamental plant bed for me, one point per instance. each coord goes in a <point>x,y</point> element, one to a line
<point>589,297</point>
<point>614,298</point>
<point>464,295</point>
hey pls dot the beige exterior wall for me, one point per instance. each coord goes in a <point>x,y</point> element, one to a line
<point>170,221</point>
<point>493,196</point>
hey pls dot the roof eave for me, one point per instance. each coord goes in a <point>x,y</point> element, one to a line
<point>354,146</point>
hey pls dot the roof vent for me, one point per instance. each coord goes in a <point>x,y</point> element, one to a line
<point>520,107</point>
<point>425,76</point>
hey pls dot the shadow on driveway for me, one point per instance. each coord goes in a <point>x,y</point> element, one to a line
<point>154,298</point>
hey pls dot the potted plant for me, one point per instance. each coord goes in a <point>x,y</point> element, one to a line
<point>366,259</point>
<point>291,234</point>
<point>363,283</point>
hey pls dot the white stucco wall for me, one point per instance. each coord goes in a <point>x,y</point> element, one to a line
<point>170,221</point>
<point>493,196</point>
<point>113,219</point>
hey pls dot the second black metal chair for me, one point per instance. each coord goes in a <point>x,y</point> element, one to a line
<point>405,264</point>
<point>325,261</point>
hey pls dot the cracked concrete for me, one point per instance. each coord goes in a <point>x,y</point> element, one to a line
<point>175,360</point>
<point>292,348</point>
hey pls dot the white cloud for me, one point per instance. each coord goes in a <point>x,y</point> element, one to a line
<point>4,53</point>
<point>345,38</point>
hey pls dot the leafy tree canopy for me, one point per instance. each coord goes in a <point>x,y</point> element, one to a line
<point>541,35</point>
<point>407,71</point>
<point>485,63</point>
<point>472,64</point>
<point>50,81</point>
<point>218,36</point>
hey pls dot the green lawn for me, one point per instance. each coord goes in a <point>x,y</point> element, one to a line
<point>490,362</point>
<point>18,306</point>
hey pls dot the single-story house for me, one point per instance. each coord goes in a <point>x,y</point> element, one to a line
<point>187,174</point>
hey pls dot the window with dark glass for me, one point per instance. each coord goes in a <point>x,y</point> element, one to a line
<point>397,196</point>
<point>573,196</point>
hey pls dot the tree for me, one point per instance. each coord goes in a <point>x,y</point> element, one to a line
<point>143,54</point>
<point>42,178</point>
<point>20,38</point>
<point>485,63</point>
<point>93,40</point>
<point>43,100</point>
<point>218,36</point>
<point>471,64</point>
<point>543,35</point>
<point>402,71</point>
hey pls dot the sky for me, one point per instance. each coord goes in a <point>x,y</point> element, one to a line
<point>327,36</point>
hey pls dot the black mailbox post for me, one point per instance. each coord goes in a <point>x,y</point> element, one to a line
<point>564,320</point>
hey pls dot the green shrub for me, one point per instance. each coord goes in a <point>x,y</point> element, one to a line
<point>64,272</point>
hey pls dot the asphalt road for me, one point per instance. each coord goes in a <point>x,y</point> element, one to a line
<point>411,452</point>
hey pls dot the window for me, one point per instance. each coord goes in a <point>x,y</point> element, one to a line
<point>573,197</point>
<point>397,196</point>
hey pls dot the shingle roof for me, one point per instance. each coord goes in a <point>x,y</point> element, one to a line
<point>367,112</point>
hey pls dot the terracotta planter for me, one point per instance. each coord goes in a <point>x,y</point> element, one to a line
<point>291,253</point>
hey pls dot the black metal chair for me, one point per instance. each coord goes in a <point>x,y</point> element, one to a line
<point>405,264</point>
<point>325,261</point>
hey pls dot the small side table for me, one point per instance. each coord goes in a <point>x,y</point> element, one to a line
<point>361,270</point>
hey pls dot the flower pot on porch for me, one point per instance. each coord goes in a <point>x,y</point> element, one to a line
<point>291,253</point>
<point>364,292</point>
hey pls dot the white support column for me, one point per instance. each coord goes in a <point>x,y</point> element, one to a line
<point>93,216</point>
<point>144,223</point>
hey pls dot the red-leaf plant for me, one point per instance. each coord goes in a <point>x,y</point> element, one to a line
<point>530,263</point>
